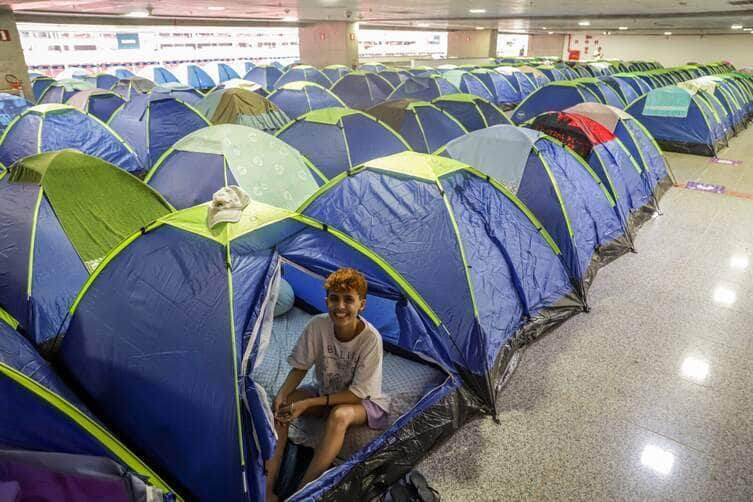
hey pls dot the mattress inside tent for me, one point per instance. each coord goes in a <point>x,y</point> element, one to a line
<point>405,382</point>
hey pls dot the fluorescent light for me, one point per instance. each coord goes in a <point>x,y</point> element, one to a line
<point>747,29</point>
<point>584,23</point>
<point>658,459</point>
<point>138,13</point>
<point>695,369</point>
<point>215,7</point>
<point>543,27</point>
<point>477,11</point>
<point>667,33</point>
<point>290,19</point>
<point>479,27</point>
<point>736,27</point>
<point>551,32</point>
<point>622,28</point>
<point>423,25</point>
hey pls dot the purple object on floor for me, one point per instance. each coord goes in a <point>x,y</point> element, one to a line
<point>726,162</point>
<point>704,187</point>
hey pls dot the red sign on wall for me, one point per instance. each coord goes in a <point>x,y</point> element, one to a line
<point>4,36</point>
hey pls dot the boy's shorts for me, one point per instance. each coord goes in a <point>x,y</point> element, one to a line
<point>376,417</point>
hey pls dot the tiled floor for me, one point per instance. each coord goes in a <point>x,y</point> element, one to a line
<point>650,395</point>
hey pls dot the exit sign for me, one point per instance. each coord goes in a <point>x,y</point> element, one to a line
<point>4,36</point>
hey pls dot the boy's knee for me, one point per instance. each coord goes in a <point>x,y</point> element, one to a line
<point>341,417</point>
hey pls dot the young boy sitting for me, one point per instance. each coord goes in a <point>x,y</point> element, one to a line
<point>346,352</point>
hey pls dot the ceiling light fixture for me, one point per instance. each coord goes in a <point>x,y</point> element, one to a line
<point>423,25</point>
<point>543,27</point>
<point>747,29</point>
<point>138,13</point>
<point>584,23</point>
<point>477,11</point>
<point>215,7</point>
<point>622,28</point>
<point>290,19</point>
<point>667,33</point>
<point>479,27</point>
<point>550,32</point>
<point>736,27</point>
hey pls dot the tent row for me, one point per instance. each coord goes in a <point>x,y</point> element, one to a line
<point>571,192</point>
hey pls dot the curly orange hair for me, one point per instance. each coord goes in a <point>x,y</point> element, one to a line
<point>344,279</point>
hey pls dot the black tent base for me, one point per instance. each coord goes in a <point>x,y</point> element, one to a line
<point>703,149</point>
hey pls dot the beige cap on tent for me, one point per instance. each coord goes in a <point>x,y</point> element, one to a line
<point>227,205</point>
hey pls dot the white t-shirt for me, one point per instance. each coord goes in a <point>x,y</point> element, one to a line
<point>355,365</point>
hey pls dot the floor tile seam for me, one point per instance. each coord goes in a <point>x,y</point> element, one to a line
<point>693,449</point>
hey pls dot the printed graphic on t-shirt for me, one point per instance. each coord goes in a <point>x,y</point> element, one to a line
<point>339,368</point>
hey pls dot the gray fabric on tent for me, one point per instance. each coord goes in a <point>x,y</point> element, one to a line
<point>485,147</point>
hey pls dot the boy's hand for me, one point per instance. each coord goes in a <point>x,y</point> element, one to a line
<point>290,412</point>
<point>280,401</point>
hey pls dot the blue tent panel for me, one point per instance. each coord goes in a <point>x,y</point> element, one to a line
<point>183,386</point>
<point>194,183</point>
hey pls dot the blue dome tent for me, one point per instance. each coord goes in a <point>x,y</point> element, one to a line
<point>220,381</point>
<point>46,128</point>
<point>626,181</point>
<point>185,93</point>
<point>394,76</point>
<point>194,76</point>
<point>10,107</point>
<point>471,111</point>
<point>557,186</point>
<point>268,169</point>
<point>606,94</point>
<point>500,280</point>
<point>124,73</point>
<point>74,448</point>
<point>39,85</point>
<point>680,120</point>
<point>424,126</point>
<point>303,73</point>
<point>468,83</point>
<point>519,80</point>
<point>152,123</point>
<point>60,213</point>
<point>335,71</point>
<point>638,85</point>
<point>101,104</point>
<point>338,139</point>
<point>555,96</point>
<point>102,80</point>
<point>125,87</point>
<point>61,90</point>
<point>221,72</point>
<point>297,98</point>
<point>372,67</point>
<point>624,90</point>
<point>504,94</point>
<point>158,74</point>
<point>423,88</point>
<point>361,90</point>
<point>264,75</point>
<point>636,139</point>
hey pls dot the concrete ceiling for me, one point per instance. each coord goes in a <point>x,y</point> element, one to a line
<point>533,16</point>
